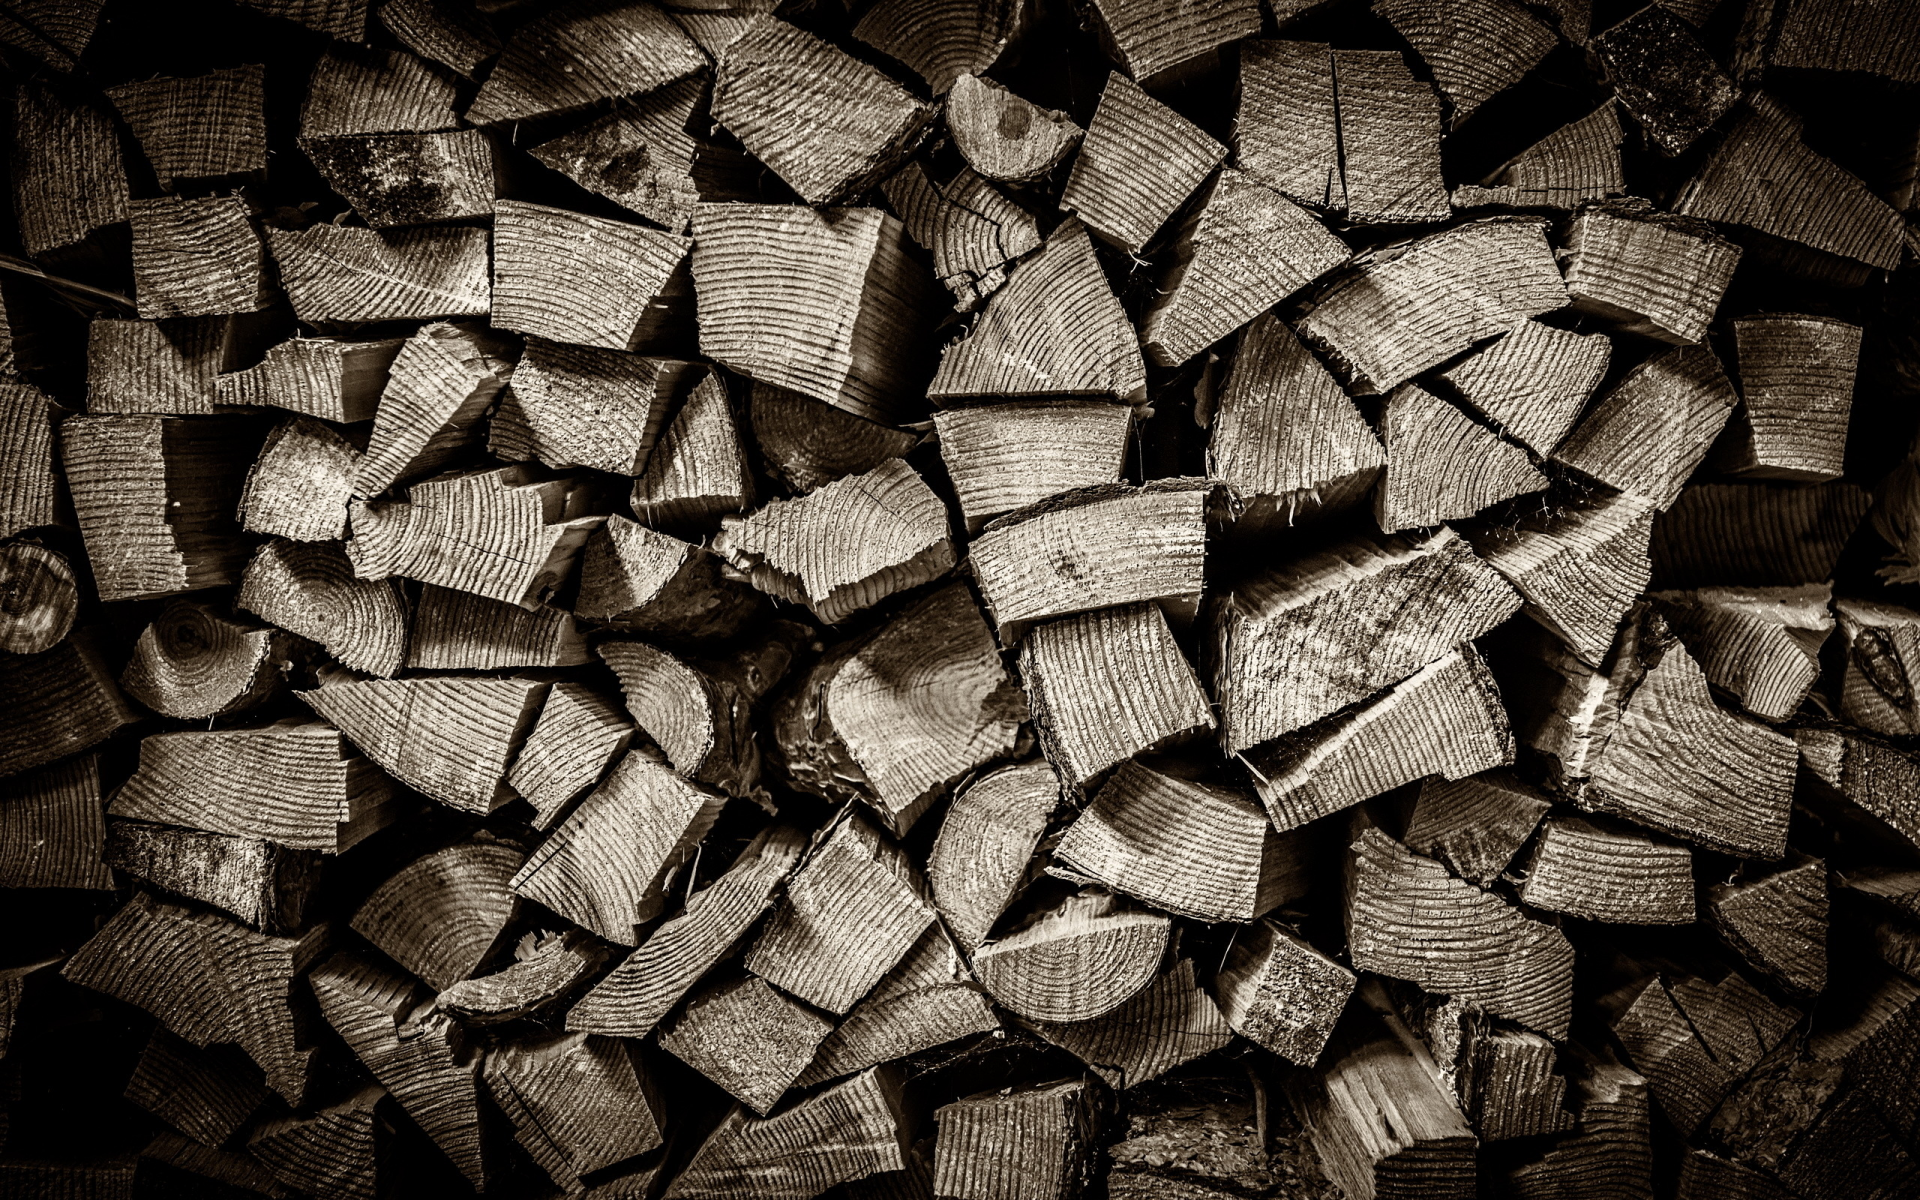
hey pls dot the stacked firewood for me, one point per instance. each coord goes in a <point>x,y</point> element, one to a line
<point>960,598</point>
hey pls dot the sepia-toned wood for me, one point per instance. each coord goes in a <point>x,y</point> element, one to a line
<point>1580,566</point>
<point>1871,775</point>
<point>577,54</point>
<point>356,90</point>
<point>1139,162</point>
<point>197,257</point>
<point>1389,140</point>
<point>606,867</point>
<point>449,738</point>
<point>55,703</point>
<point>1475,50</point>
<point>459,631</point>
<point>1646,741</point>
<point>746,1037</point>
<point>343,273</point>
<point>1760,644</point>
<point>1682,1074</point>
<point>697,713</point>
<point>209,980</point>
<point>927,1000</point>
<point>851,1131</point>
<point>1609,1154</point>
<point>1407,918</point>
<point>301,484</point>
<point>984,852</point>
<point>300,785</point>
<point>1647,434</point>
<point>547,969</point>
<point>844,547</point>
<point>1080,960</point>
<point>419,1057</point>
<point>1281,993</point>
<point>1791,534</point>
<point>807,444</point>
<point>1405,309</point>
<point>263,884</point>
<point>68,178</point>
<point>642,155</point>
<point>1796,395</point>
<point>1003,136</point>
<point>328,378</point>
<point>1146,40</point>
<point>1777,921</point>
<point>1105,685</point>
<point>1284,436</point>
<point>1663,77</point>
<point>208,1094</point>
<point>345,19</point>
<point>55,31</point>
<point>332,1149</point>
<point>1093,548</point>
<point>499,533</point>
<point>1445,719</point>
<point>1600,871</point>
<point>1876,683</point>
<point>193,663</point>
<point>569,277</point>
<point>638,993</point>
<point>1035,1140</point>
<point>1244,249</point>
<point>1504,1077</point>
<point>1575,164</point>
<point>588,407</point>
<point>441,915</point>
<point>641,580</point>
<point>38,598</point>
<point>1442,466</point>
<point>1055,329</point>
<point>208,127</point>
<point>1002,457</point>
<point>578,735</point>
<point>399,179</point>
<point>1476,824</point>
<point>578,1104</point>
<point>438,386</point>
<point>1532,382</point>
<point>699,471</point>
<point>169,367</point>
<point>52,834</point>
<point>1645,271</point>
<point>1382,1124</point>
<point>310,590</point>
<point>29,495</point>
<point>1286,132</point>
<point>825,303</point>
<point>973,231</point>
<point>1189,848</point>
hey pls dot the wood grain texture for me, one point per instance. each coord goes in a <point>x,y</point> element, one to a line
<point>1876,684</point>
<point>1080,960</point>
<point>459,631</point>
<point>1579,566</point>
<point>346,19</point>
<point>208,1094</point>
<point>1604,872</point>
<point>1836,35</point>
<point>28,492</point>
<point>578,54</point>
<point>806,444</point>
<point>440,915</point>
<point>309,590</point>
<point>1476,50</point>
<point>642,155</point>
<point>197,257</point>
<point>547,970</point>
<point>1531,383</point>
<point>1648,433</point>
<point>746,1037</point>
<point>640,580</point>
<point>1286,130</point>
<point>1001,457</point>
<point>1476,824</point>
<point>193,663</point>
<point>1760,644</point>
<point>356,90</point>
<point>1105,685</point>
<point>340,273</point>
<point>1383,1126</point>
<point>1281,993</point>
<point>1146,39</point>
<point>698,714</point>
<point>207,127</point>
<point>1389,140</point>
<point>300,785</point>
<point>400,179</point>
<point>1035,1140</point>
<point>57,702</point>
<point>332,1148</point>
<point>578,735</point>
<point>974,232</point>
<point>449,738</point>
<point>301,484</point>
<point>1777,921</point>
<point>170,367</point>
<point>929,999</point>
<point>578,1103</point>
<point>588,407</point>
<point>1138,163</point>
<point>569,277</point>
<point>41,598</point>
<point>1445,719</point>
<point>1791,534</point>
<point>52,827</point>
<point>329,378</point>
<point>1441,465</point>
<point>851,1131</point>
<point>1796,395</point>
<point>1609,1152</point>
<point>73,183</point>
<point>942,40</point>
<point>1577,163</point>
<point>984,852</point>
<point>259,883</point>
<point>1645,271</point>
<point>698,472</point>
<point>1003,136</point>
<point>1869,774</point>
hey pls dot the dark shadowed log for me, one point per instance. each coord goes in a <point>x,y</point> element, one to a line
<point>38,598</point>
<point>207,1094</point>
<point>1475,825</point>
<point>1663,77</point>
<point>262,883</point>
<point>578,1104</point>
<point>56,703</point>
<point>1577,163</point>
<point>52,834</point>
<point>328,378</point>
<point>1038,1139</point>
<point>1475,50</point>
<point>205,128</point>
<point>1646,271</point>
<point>850,1131</point>
<point>441,915</point>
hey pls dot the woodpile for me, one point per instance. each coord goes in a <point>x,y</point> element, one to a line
<point>960,599</point>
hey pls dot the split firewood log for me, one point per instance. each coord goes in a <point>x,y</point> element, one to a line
<point>929,999</point>
<point>373,90</point>
<point>1610,1151</point>
<point>1649,432</point>
<point>167,367</point>
<point>51,829</point>
<point>974,232</point>
<point>849,1132</point>
<point>580,54</point>
<point>197,257</point>
<point>309,590</point>
<point>69,182</point>
<point>29,496</point>
<point>1796,394</point>
<point>300,486</point>
<point>1390,133</point>
<point>1279,992</point>
<point>345,19</point>
<point>207,1093</point>
<point>1080,960</point>
<point>1036,1139</point>
<point>438,386</point>
<point>1760,644</point>
<point>441,915</point>
<point>1873,777</point>
<point>806,444</point>
<point>263,884</point>
<point>569,277</point>
<point>1663,77</point>
<point>1002,457</point>
<point>1147,43</point>
<point>459,631</point>
<point>1168,1023</point>
<point>329,378</point>
<point>1645,271</point>
<point>578,735</point>
<point>1003,136</point>
<point>1476,52</point>
<point>578,1103</point>
<point>39,599</point>
<point>1532,382</point>
<point>202,129</point>
<point>347,274</point>
<point>750,1039</point>
<point>1777,921</point>
<point>698,472</point>
<point>193,663</point>
<point>332,1149</point>
<point>699,714</point>
<point>1286,130</point>
<point>1793,534</point>
<point>1475,825</point>
<point>1505,1077</point>
<point>984,852</point>
<point>1138,163</point>
<point>636,579</point>
<point>58,702</point>
<point>1575,164</point>
<point>1601,871</point>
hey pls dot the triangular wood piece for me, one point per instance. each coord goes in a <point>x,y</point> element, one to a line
<point>333,1150</point>
<point>974,233</point>
<point>1441,465</point>
<point>448,738</point>
<point>441,915</point>
<point>784,1157</point>
<point>928,1000</point>
<point>699,469</point>
<point>747,1037</point>
<point>1649,432</point>
<point>1532,382</point>
<point>578,735</point>
<point>1138,163</point>
<point>578,55</point>
<point>309,589</point>
<point>1778,922</point>
<point>1169,1022</point>
<point>1760,644</point>
<point>1003,136</point>
<point>1575,164</point>
<point>1476,50</point>
<point>346,273</point>
<point>1477,824</point>
<point>984,852</point>
<point>1278,992</point>
<point>578,1104</point>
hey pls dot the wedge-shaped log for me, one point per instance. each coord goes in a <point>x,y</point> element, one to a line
<point>587,407</point>
<point>534,530</point>
<point>1094,548</point>
<point>578,735</point>
<point>1286,131</point>
<point>974,233</point>
<point>1647,272</point>
<point>806,443</point>
<point>699,714</point>
<point>1580,565</point>
<point>1166,1024</point>
<point>640,580</point>
<point>192,663</point>
<point>942,40</point>
<point>450,738</point>
<point>43,598</point>
<point>444,378</point>
<point>606,866</point>
<point>339,273</point>
<point>581,53</point>
<point>197,257</point>
<point>170,367</point>
<point>1407,918</point>
<point>1278,992</point>
<point>1055,329</point>
<point>1306,639</point>
<point>1475,825</point>
<point>639,992</point>
<point>1503,1076</point>
<point>1601,871</point>
<point>1686,1081</point>
<point>329,378</point>
<point>441,915</point>
<point>334,1149</point>
<point>1563,170</point>
<point>578,1103</point>
<point>1646,742</point>
<point>1877,684</point>
<point>1146,41</point>
<point>56,703</point>
<point>899,715</point>
<point>68,178</point>
<point>310,591</point>
<point>398,179</point>
<point>1796,395</point>
<point>420,1059</point>
<point>1080,960</point>
<point>1442,466</point>
<point>1083,672</point>
<point>746,1037</point>
<point>1791,534</point>
<point>699,471</point>
<point>1382,1124</point>
<point>1445,719</point>
<point>847,546</point>
<point>928,1000</point>
<point>1003,136</point>
<point>1244,249</point>
<point>1001,457</point>
<point>1285,438</point>
<point>1532,382</point>
<point>1610,1151</point>
<point>1405,309</point>
<point>1476,51</point>
<point>984,852</point>
<point>375,90</point>
<point>209,980</point>
<point>1034,1139</point>
<point>155,497</point>
<point>1389,140</point>
<point>300,785</point>
<point>1655,426</point>
<point>301,484</point>
<point>645,155</point>
<point>459,631</point>
<point>261,883</point>
<point>1664,77</point>
<point>28,493</point>
<point>827,304</point>
<point>1777,921</point>
<point>849,1132</point>
<point>52,834</point>
<point>850,913</point>
<point>207,1094</point>
<point>1139,162</point>
<point>1190,848</point>
<point>568,277</point>
<point>208,127</point>
<point>827,124</point>
<point>548,969</point>
<point>1877,778</point>
<point>1760,644</point>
